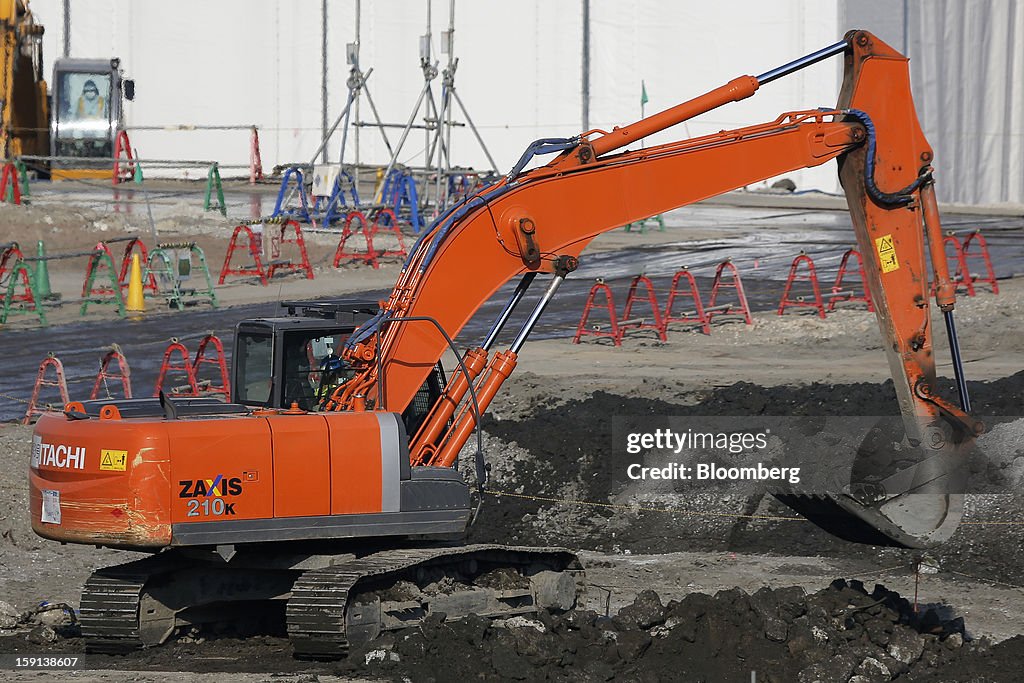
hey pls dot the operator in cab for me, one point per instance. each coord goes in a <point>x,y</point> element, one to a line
<point>333,373</point>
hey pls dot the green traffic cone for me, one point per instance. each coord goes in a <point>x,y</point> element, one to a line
<point>42,274</point>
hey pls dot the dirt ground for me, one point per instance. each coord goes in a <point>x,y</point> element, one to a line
<point>548,438</point>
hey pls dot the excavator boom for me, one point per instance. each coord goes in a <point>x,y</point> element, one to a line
<point>540,220</point>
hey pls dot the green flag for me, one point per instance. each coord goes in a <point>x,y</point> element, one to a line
<point>643,93</point>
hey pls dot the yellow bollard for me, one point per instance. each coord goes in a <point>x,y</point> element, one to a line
<point>136,300</point>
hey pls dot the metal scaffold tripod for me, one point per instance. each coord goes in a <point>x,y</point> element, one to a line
<point>438,121</point>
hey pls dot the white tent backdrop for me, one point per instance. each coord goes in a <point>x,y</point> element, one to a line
<point>241,62</point>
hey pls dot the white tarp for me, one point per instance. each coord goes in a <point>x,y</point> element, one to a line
<point>241,62</point>
<point>967,67</point>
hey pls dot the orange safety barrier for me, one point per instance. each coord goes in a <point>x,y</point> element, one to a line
<point>812,277</point>
<point>50,361</point>
<point>185,366</point>
<point>627,323</point>
<point>370,255</point>
<point>839,294</point>
<point>385,219</point>
<point>983,254</point>
<point>697,315</point>
<point>123,374</point>
<point>255,248</point>
<point>123,147</point>
<point>297,240</point>
<point>219,363</point>
<point>598,330</point>
<point>10,177</point>
<point>149,282</point>
<point>734,282</point>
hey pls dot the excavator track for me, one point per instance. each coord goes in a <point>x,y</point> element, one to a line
<point>110,606</point>
<point>136,605</point>
<point>324,617</point>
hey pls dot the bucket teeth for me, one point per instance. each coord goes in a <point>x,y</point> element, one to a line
<point>905,521</point>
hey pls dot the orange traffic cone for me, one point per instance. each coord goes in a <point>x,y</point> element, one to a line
<point>136,299</point>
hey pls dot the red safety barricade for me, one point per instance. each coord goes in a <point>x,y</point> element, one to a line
<point>123,374</point>
<point>184,366</point>
<point>255,161</point>
<point>961,274</point>
<point>9,259</point>
<point>60,382</point>
<point>597,330</point>
<point>123,155</point>
<point>126,263</point>
<point>9,179</point>
<point>980,253</point>
<point>626,322</point>
<point>219,363</point>
<point>297,240</point>
<point>841,291</point>
<point>794,276</point>
<point>255,248</point>
<point>697,315</point>
<point>341,254</point>
<point>727,269</point>
<point>385,219</point>
<point>93,269</point>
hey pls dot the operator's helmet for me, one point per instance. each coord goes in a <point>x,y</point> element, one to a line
<point>332,364</point>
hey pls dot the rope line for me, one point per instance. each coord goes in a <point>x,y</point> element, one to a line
<point>644,508</point>
<point>697,513</point>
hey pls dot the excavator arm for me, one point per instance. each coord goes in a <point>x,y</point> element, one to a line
<point>541,219</point>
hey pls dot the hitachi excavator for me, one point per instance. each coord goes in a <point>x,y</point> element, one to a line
<point>345,513</point>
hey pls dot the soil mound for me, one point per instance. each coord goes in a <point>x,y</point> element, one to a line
<point>844,633</point>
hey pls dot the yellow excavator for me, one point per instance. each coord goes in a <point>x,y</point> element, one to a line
<point>64,133</point>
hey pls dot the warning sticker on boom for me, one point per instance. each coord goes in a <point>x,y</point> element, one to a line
<point>887,253</point>
<point>114,461</point>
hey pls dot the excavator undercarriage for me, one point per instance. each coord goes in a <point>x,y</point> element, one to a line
<point>326,602</point>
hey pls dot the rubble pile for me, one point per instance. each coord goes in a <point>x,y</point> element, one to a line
<point>845,633</point>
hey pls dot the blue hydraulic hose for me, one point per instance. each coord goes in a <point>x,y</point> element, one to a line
<point>898,198</point>
<point>442,227</point>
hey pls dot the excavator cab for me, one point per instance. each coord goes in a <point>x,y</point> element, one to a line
<point>284,361</point>
<point>87,115</point>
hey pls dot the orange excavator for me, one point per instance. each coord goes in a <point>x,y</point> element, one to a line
<point>344,513</point>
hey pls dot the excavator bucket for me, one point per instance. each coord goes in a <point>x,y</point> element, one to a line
<point>896,490</point>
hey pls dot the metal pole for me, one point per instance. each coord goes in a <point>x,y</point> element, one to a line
<point>958,365</point>
<point>586,65</point>
<point>323,79</point>
<point>67,29</point>
<point>355,171</point>
<point>472,127</point>
<point>520,339</point>
<point>337,121</point>
<point>499,323</point>
<point>805,61</point>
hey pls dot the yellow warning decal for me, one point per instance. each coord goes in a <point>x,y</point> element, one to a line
<point>887,253</point>
<point>114,461</point>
